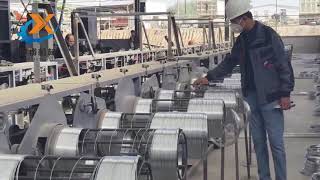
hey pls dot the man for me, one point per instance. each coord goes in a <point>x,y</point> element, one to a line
<point>133,40</point>
<point>70,41</point>
<point>267,81</point>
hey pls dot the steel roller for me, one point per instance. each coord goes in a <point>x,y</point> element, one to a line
<point>194,125</point>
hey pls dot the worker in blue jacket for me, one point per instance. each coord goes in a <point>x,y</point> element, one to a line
<point>267,80</point>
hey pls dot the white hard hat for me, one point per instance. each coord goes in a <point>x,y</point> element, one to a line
<point>236,8</point>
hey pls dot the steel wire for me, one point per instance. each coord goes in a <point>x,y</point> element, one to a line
<point>194,125</point>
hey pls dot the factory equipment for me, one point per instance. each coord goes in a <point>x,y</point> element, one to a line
<point>164,149</point>
<point>56,167</point>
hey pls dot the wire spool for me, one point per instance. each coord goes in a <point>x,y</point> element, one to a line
<point>166,149</point>
<point>84,168</point>
<point>310,166</point>
<point>194,125</point>
<point>8,165</point>
<point>165,98</point>
<point>64,141</point>
<point>229,97</point>
<point>108,142</point>
<point>108,120</point>
<point>215,111</point>
<point>236,76</point>
<point>124,168</point>
<point>229,86</point>
<point>312,162</point>
<point>315,176</point>
<point>231,100</point>
<point>232,80</point>
<point>313,150</point>
<point>167,154</point>
<point>143,105</point>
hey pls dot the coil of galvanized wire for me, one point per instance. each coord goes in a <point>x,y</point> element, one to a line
<point>194,125</point>
<point>9,164</point>
<point>215,111</point>
<point>312,160</point>
<point>165,97</point>
<point>124,168</point>
<point>166,153</point>
<point>86,168</point>
<point>109,120</point>
<point>64,141</point>
<point>229,97</point>
<point>143,105</point>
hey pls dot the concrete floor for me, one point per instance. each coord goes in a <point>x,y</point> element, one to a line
<point>297,122</point>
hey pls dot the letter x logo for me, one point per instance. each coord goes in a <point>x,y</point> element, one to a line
<point>41,23</point>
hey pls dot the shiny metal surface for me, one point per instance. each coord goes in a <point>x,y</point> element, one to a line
<point>215,111</point>
<point>165,95</point>
<point>164,155</point>
<point>8,165</point>
<point>109,120</point>
<point>67,142</point>
<point>118,168</point>
<point>194,125</point>
<point>229,97</point>
<point>143,105</point>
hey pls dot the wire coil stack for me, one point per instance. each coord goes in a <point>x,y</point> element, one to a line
<point>312,161</point>
<point>165,98</point>
<point>165,150</point>
<point>108,120</point>
<point>73,168</point>
<point>194,125</point>
<point>124,168</point>
<point>215,111</point>
<point>229,97</point>
<point>143,105</point>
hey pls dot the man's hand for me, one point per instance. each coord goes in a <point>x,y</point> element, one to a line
<point>285,103</point>
<point>201,81</point>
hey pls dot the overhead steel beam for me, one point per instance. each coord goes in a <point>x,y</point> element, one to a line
<point>176,35</point>
<point>61,42</point>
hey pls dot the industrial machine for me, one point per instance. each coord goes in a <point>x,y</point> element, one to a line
<point>57,167</point>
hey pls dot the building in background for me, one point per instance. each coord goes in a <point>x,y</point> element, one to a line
<point>268,13</point>
<point>309,11</point>
<point>207,8</point>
